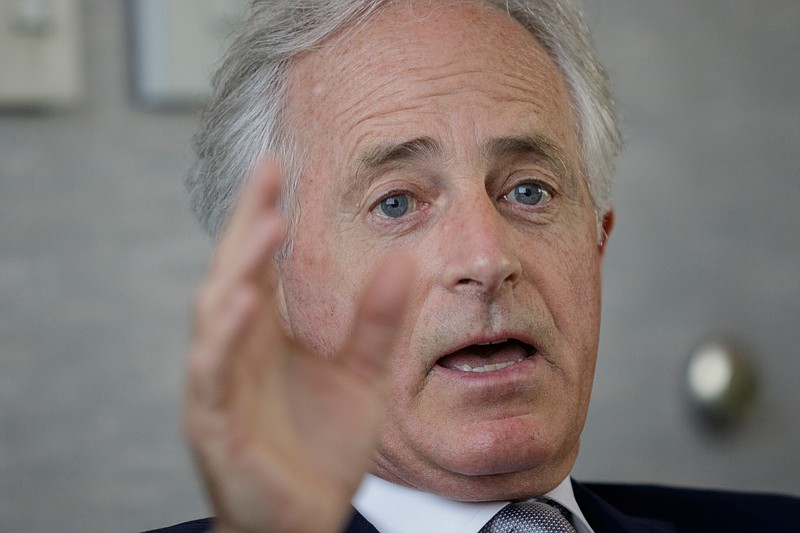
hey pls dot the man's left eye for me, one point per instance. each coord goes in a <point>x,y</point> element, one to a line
<point>528,194</point>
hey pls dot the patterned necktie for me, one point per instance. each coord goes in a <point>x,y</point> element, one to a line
<point>528,517</point>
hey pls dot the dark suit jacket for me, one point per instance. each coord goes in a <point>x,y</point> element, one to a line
<point>647,509</point>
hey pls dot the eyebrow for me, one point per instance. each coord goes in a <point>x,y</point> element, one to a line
<point>381,156</point>
<point>539,147</point>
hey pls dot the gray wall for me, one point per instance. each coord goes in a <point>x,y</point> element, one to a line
<point>99,259</point>
<point>707,238</point>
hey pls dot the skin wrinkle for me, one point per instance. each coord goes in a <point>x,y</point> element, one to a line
<point>523,86</point>
<point>418,155</point>
<point>455,439</point>
<point>548,152</point>
<point>357,80</point>
<point>380,156</point>
<point>387,159</point>
<point>324,33</point>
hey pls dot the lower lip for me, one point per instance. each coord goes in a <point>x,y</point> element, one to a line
<point>515,371</point>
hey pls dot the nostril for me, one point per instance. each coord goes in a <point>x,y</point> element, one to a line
<point>468,281</point>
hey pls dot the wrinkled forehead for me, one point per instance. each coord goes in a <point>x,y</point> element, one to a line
<point>406,55</point>
<point>402,29</point>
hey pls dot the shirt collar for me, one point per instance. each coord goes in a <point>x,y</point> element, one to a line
<point>395,508</point>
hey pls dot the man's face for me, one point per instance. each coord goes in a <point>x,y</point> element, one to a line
<point>444,132</point>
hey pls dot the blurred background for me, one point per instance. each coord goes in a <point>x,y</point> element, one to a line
<point>99,255</point>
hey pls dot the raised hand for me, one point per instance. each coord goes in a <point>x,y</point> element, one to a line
<point>281,435</point>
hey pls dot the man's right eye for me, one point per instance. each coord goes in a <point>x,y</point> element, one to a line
<point>395,206</point>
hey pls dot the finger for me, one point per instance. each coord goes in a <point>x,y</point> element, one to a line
<point>379,319</point>
<point>252,266</point>
<point>211,353</point>
<point>254,233</point>
<point>256,202</point>
<point>259,193</point>
<point>223,324</point>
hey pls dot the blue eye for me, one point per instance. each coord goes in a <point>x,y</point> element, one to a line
<point>528,194</point>
<point>396,205</point>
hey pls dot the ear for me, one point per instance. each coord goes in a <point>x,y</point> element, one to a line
<point>608,225</point>
<point>280,300</point>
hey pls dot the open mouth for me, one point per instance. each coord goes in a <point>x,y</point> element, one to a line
<point>488,357</point>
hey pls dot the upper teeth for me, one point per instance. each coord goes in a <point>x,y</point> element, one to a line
<point>491,342</point>
<point>488,368</point>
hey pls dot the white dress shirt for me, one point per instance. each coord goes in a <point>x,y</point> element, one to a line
<point>397,509</point>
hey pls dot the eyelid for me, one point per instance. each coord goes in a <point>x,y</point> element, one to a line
<point>388,194</point>
<point>540,179</point>
<point>536,174</point>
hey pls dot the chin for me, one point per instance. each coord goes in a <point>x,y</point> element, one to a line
<point>496,468</point>
<point>497,487</point>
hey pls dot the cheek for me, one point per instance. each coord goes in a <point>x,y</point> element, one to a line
<point>576,266</point>
<point>318,305</point>
<point>323,281</point>
<point>570,287</point>
<point>581,324</point>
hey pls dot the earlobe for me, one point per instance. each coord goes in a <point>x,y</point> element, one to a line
<point>608,225</point>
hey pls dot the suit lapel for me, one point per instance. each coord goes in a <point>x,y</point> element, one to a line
<point>606,519</point>
<point>359,524</point>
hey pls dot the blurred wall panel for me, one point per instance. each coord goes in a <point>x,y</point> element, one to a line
<point>41,60</point>
<point>174,46</point>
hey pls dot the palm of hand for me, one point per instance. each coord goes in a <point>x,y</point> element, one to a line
<point>282,436</point>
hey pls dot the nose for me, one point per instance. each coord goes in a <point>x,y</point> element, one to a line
<point>479,246</point>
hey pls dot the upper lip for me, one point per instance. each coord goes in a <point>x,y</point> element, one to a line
<point>492,338</point>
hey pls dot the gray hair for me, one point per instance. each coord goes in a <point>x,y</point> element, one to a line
<point>245,119</point>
